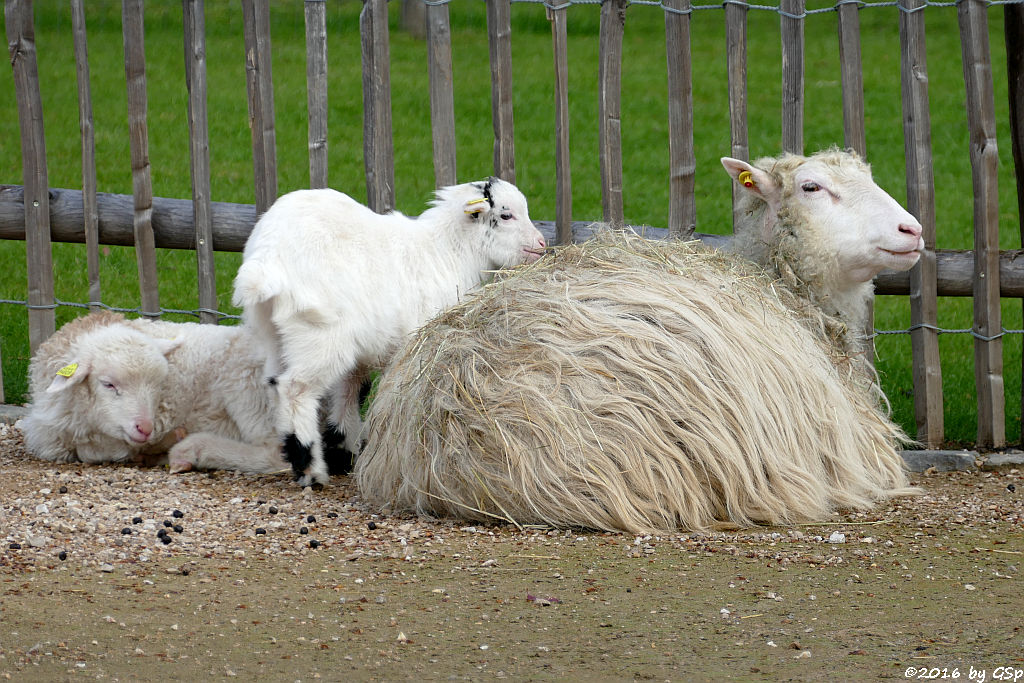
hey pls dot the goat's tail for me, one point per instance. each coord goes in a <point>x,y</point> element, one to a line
<point>254,285</point>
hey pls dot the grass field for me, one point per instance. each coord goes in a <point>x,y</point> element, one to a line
<point>644,123</point>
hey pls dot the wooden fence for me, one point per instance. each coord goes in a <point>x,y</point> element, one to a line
<point>39,214</point>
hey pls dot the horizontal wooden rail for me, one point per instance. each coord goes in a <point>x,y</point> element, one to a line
<point>173,229</point>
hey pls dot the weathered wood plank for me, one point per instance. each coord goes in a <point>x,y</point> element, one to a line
<point>1013,32</point>
<point>854,136</point>
<point>316,90</point>
<point>260,88</point>
<point>981,124</point>
<point>917,138</point>
<point>88,134</point>
<point>792,27</point>
<point>442,93</point>
<point>682,208</point>
<point>378,143</point>
<point>499,30</point>
<point>138,139</point>
<point>613,25</point>
<point>736,56</point>
<point>21,43</point>
<point>563,169</point>
<point>194,23</point>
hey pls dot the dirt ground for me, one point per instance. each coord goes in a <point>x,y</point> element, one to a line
<point>263,580</point>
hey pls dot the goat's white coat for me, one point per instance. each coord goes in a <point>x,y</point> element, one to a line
<point>148,387</point>
<point>333,289</point>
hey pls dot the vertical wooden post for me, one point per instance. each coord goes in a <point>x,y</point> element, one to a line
<point>87,131</point>
<point>736,56</point>
<point>1013,30</point>
<point>792,26</point>
<point>21,42</point>
<point>981,124</point>
<point>378,143</point>
<point>917,137</point>
<point>854,136</point>
<point>499,30</point>
<point>442,93</point>
<point>316,90</point>
<point>682,205</point>
<point>260,88</point>
<point>613,27</point>
<point>194,23</point>
<point>138,136</point>
<point>563,171</point>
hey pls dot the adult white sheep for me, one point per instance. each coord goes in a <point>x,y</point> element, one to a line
<point>629,385</point>
<point>822,226</point>
<point>108,389</point>
<point>333,289</point>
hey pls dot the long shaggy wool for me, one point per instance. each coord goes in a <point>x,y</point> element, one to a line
<point>628,385</point>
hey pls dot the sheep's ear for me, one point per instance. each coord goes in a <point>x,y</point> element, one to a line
<point>166,346</point>
<point>751,178</point>
<point>475,207</point>
<point>68,376</point>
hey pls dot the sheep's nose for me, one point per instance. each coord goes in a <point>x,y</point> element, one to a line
<point>144,427</point>
<point>541,242</point>
<point>912,229</point>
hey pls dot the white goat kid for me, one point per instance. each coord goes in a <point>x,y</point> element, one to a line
<point>333,289</point>
<point>825,227</point>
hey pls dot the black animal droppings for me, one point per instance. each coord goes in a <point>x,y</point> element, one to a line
<point>260,531</point>
<point>161,533</point>
<point>15,546</point>
<point>311,519</point>
<point>63,489</point>
<point>168,523</point>
<point>371,525</point>
<point>272,510</point>
<point>165,539</point>
<point>303,531</point>
<point>178,528</point>
<point>332,515</point>
<point>178,513</point>
<point>126,531</point>
<point>313,543</point>
<point>1011,488</point>
<point>136,520</point>
<point>62,556</point>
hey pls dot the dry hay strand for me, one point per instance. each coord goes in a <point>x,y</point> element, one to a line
<point>628,385</point>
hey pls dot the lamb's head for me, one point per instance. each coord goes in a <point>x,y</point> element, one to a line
<point>492,214</point>
<point>829,203</point>
<point>114,377</point>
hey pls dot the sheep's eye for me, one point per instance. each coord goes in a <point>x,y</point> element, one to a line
<point>810,186</point>
<point>108,385</point>
<point>506,216</point>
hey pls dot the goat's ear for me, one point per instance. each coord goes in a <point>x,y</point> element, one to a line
<point>68,376</point>
<point>751,178</point>
<point>475,207</point>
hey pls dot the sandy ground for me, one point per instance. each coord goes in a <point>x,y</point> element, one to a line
<point>262,579</point>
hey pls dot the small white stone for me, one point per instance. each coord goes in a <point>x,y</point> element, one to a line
<point>837,537</point>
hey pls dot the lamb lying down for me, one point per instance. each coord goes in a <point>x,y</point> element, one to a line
<point>108,389</point>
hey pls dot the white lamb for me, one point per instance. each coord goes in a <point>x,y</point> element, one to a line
<point>333,289</point>
<point>826,229</point>
<point>108,389</point>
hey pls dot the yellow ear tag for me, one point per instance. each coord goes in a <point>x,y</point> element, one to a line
<point>68,370</point>
<point>481,200</point>
<point>746,179</point>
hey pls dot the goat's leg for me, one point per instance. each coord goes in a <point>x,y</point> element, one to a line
<point>298,420</point>
<point>343,438</point>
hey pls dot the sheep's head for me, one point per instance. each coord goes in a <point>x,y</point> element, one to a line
<point>830,203</point>
<point>114,377</point>
<point>495,212</point>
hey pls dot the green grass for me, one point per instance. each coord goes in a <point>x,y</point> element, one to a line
<point>644,126</point>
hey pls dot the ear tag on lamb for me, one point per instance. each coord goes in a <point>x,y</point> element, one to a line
<point>746,179</point>
<point>68,370</point>
<point>474,212</point>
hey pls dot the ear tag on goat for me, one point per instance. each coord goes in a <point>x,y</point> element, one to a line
<point>68,370</point>
<point>474,212</point>
<point>746,179</point>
